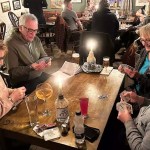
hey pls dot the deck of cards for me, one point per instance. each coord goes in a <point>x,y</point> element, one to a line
<point>122,105</point>
<point>127,66</point>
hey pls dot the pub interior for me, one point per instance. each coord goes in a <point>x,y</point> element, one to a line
<point>74,74</point>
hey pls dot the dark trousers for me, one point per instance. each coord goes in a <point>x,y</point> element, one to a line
<point>31,84</point>
<point>75,38</point>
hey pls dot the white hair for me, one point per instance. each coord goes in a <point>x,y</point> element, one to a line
<point>26,17</point>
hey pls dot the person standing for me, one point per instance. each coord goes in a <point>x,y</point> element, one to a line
<point>26,58</point>
<point>104,20</point>
<point>36,8</point>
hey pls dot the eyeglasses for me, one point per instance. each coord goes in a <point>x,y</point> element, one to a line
<point>145,41</point>
<point>29,30</point>
<point>1,58</point>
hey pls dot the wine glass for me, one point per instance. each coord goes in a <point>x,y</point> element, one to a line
<point>105,62</point>
<point>43,92</point>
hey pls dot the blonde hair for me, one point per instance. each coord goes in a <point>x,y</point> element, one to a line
<point>145,30</point>
<point>3,47</point>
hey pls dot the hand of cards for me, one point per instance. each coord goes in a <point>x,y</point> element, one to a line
<point>121,106</point>
<point>127,66</point>
<point>45,59</point>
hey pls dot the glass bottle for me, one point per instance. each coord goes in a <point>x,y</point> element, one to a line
<point>62,112</point>
<point>79,129</point>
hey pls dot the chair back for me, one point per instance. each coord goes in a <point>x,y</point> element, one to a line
<point>14,19</point>
<point>2,30</point>
<point>6,78</point>
<point>61,33</point>
<point>104,46</point>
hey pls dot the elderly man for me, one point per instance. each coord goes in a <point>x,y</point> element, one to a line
<point>26,56</point>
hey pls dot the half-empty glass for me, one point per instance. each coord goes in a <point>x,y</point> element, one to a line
<point>32,108</point>
<point>106,62</point>
<point>75,58</point>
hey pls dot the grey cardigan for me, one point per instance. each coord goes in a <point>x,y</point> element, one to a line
<point>138,130</point>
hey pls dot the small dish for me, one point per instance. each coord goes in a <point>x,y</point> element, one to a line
<point>98,68</point>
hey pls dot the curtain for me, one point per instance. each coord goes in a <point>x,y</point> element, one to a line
<point>126,7</point>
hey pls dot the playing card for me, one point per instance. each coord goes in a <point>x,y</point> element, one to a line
<point>127,66</point>
<point>120,106</point>
<point>124,98</point>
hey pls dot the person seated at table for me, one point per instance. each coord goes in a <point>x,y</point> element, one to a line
<point>142,12</point>
<point>26,57</point>
<point>140,75</point>
<point>89,9</point>
<point>71,17</point>
<point>136,131</point>
<point>104,20</point>
<point>74,23</point>
<point>8,96</point>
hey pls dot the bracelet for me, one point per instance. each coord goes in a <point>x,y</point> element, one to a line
<point>11,99</point>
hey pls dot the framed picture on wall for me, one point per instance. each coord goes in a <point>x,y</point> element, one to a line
<point>5,6</point>
<point>16,4</point>
<point>76,1</point>
<point>141,2</point>
<point>56,3</point>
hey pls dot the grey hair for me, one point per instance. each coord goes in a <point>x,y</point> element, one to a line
<point>26,17</point>
<point>145,30</point>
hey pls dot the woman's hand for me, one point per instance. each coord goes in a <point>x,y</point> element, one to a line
<point>133,97</point>
<point>124,115</point>
<point>131,72</point>
<point>18,94</point>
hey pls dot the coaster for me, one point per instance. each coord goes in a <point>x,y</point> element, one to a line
<point>106,72</point>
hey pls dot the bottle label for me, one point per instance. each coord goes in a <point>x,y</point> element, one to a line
<point>79,136</point>
<point>62,113</point>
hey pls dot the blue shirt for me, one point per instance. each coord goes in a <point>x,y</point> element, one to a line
<point>143,69</point>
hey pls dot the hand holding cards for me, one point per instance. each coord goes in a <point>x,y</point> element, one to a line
<point>44,59</point>
<point>121,106</point>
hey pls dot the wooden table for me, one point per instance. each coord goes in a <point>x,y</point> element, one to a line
<point>81,85</point>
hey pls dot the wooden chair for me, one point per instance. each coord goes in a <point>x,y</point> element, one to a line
<point>14,19</point>
<point>104,46</point>
<point>46,35</point>
<point>64,36</point>
<point>2,30</point>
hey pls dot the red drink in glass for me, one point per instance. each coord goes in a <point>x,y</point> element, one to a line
<point>84,106</point>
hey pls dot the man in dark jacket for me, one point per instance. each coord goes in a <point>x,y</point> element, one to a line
<point>36,8</point>
<point>105,21</point>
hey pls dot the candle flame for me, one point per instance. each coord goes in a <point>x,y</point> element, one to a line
<point>91,44</point>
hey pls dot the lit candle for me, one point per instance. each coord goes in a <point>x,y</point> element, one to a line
<point>63,6</point>
<point>91,44</point>
<point>60,86</point>
<point>96,6</point>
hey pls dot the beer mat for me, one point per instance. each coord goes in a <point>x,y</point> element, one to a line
<point>49,133</point>
<point>106,72</point>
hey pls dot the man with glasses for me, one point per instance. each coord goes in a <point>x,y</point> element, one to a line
<point>26,56</point>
